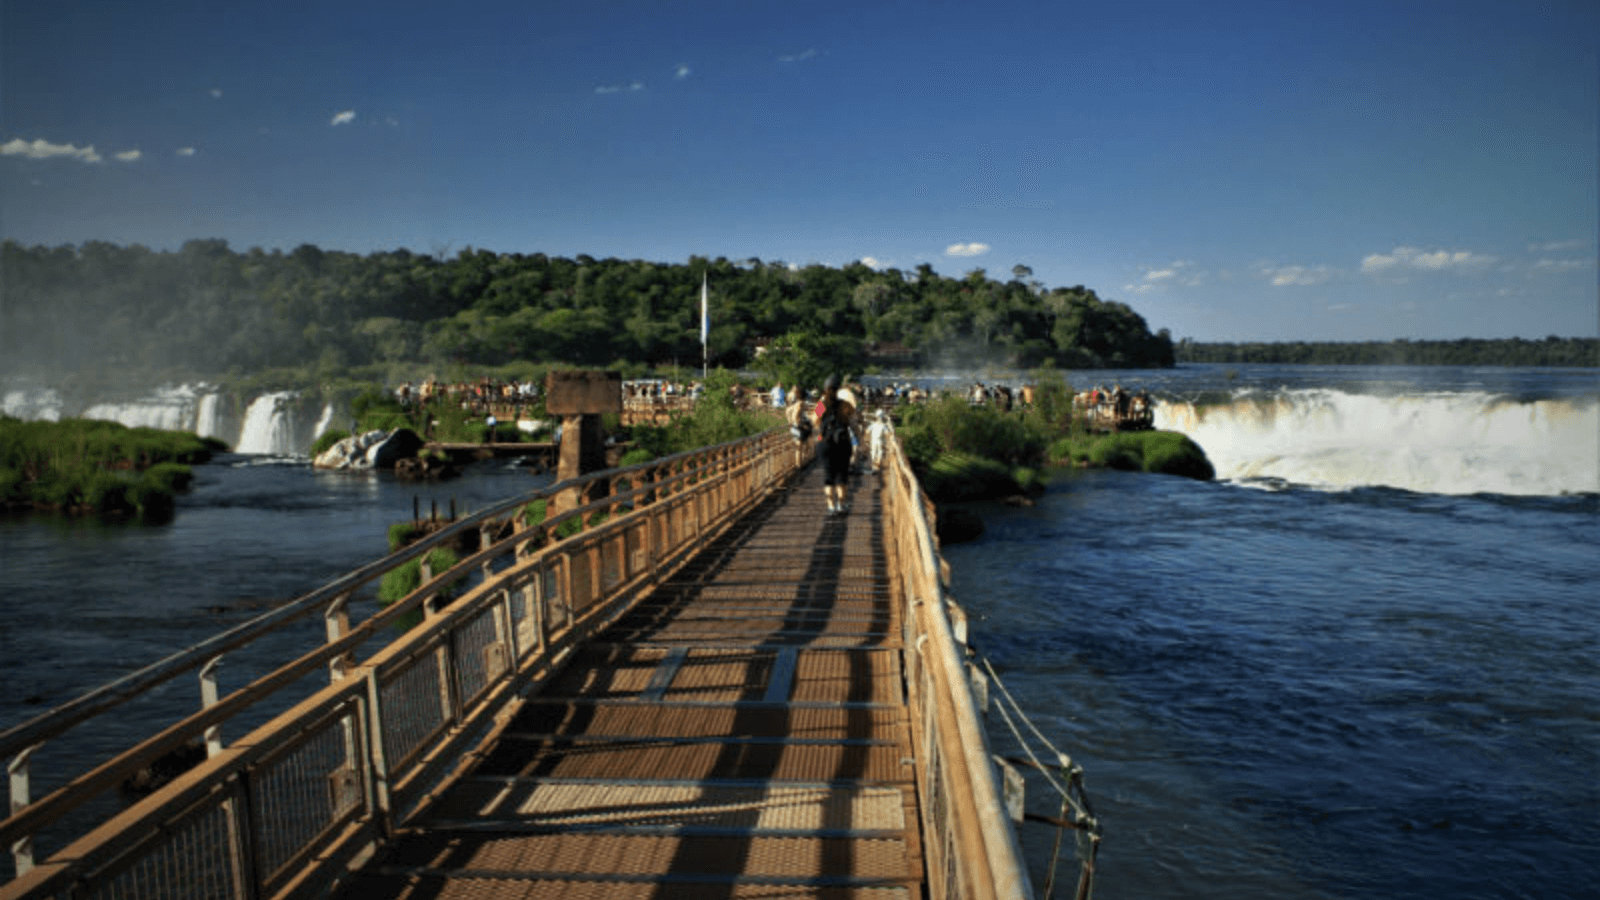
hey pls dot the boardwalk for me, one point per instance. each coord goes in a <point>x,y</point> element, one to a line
<point>741,733</point>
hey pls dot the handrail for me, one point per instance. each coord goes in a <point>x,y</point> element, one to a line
<point>966,833</point>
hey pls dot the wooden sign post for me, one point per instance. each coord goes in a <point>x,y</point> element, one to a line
<point>579,398</point>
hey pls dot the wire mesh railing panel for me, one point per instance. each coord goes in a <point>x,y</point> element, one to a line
<point>192,859</point>
<point>301,793</point>
<point>611,562</point>
<point>411,707</point>
<point>580,579</point>
<point>558,612</point>
<point>478,654</point>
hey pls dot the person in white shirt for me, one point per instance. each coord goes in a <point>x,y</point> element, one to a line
<point>877,437</point>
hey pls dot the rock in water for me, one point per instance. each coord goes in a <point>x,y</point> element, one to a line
<point>402,444</point>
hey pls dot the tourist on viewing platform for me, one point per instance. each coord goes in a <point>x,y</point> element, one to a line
<point>777,396</point>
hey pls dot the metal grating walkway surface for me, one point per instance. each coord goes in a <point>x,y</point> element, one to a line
<point>741,733</point>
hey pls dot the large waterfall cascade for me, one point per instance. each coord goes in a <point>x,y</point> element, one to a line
<point>1440,443</point>
<point>270,424</point>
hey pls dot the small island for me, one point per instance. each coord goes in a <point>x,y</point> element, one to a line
<point>93,467</point>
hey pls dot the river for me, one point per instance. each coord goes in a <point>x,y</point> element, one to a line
<point>1360,664</point>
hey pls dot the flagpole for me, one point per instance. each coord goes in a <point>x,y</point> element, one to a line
<point>705,325</point>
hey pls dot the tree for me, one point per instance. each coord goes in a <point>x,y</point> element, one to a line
<point>807,358</point>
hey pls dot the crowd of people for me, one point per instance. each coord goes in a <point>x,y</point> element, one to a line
<point>1116,409</point>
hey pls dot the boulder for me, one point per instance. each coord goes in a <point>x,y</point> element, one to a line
<point>372,449</point>
<point>402,444</point>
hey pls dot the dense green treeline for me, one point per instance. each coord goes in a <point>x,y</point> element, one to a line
<point>210,311</point>
<point>1551,351</point>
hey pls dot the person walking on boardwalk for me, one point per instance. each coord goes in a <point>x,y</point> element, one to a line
<point>834,431</point>
<point>878,438</point>
<point>799,423</point>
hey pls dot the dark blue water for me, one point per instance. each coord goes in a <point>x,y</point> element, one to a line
<point>1296,693</point>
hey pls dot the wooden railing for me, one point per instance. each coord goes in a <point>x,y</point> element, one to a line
<point>375,725</point>
<point>968,840</point>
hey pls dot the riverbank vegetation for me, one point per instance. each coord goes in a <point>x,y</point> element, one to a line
<point>88,466</point>
<point>965,452</point>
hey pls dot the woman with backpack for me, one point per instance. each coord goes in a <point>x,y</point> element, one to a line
<point>835,432</point>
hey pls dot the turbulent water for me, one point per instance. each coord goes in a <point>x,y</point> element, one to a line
<point>1361,664</point>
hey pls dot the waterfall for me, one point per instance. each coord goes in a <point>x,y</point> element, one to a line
<point>168,408</point>
<point>1447,443</point>
<point>323,421</point>
<point>32,404</point>
<point>208,417</point>
<point>269,426</point>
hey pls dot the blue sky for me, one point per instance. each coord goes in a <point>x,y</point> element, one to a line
<point>1233,171</point>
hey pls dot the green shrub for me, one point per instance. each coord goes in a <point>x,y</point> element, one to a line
<point>1166,452</point>
<point>635,456</point>
<point>10,484</point>
<point>169,476</point>
<point>107,492</point>
<point>399,582</point>
<point>402,534</point>
<point>954,477</point>
<point>325,442</point>
<point>152,503</point>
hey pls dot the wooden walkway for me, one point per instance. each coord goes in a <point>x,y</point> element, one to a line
<point>742,733</point>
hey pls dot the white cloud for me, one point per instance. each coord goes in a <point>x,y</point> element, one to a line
<point>1377,262</point>
<point>617,88</point>
<point>1562,265</point>
<point>1139,288</point>
<point>1553,246</point>
<point>216,92</point>
<point>343,118</point>
<point>1159,274</point>
<point>1411,257</point>
<point>128,155</point>
<point>1299,276</point>
<point>185,151</point>
<point>681,71</point>
<point>808,53</point>
<point>972,249</point>
<point>871,262</point>
<point>43,149</point>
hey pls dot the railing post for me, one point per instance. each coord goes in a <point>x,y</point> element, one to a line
<point>21,796</point>
<point>336,621</point>
<point>208,699</point>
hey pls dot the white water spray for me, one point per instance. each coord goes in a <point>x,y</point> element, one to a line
<point>170,409</point>
<point>269,425</point>
<point>1429,443</point>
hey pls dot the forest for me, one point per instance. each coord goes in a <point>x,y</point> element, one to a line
<point>1551,351</point>
<point>207,311</point>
